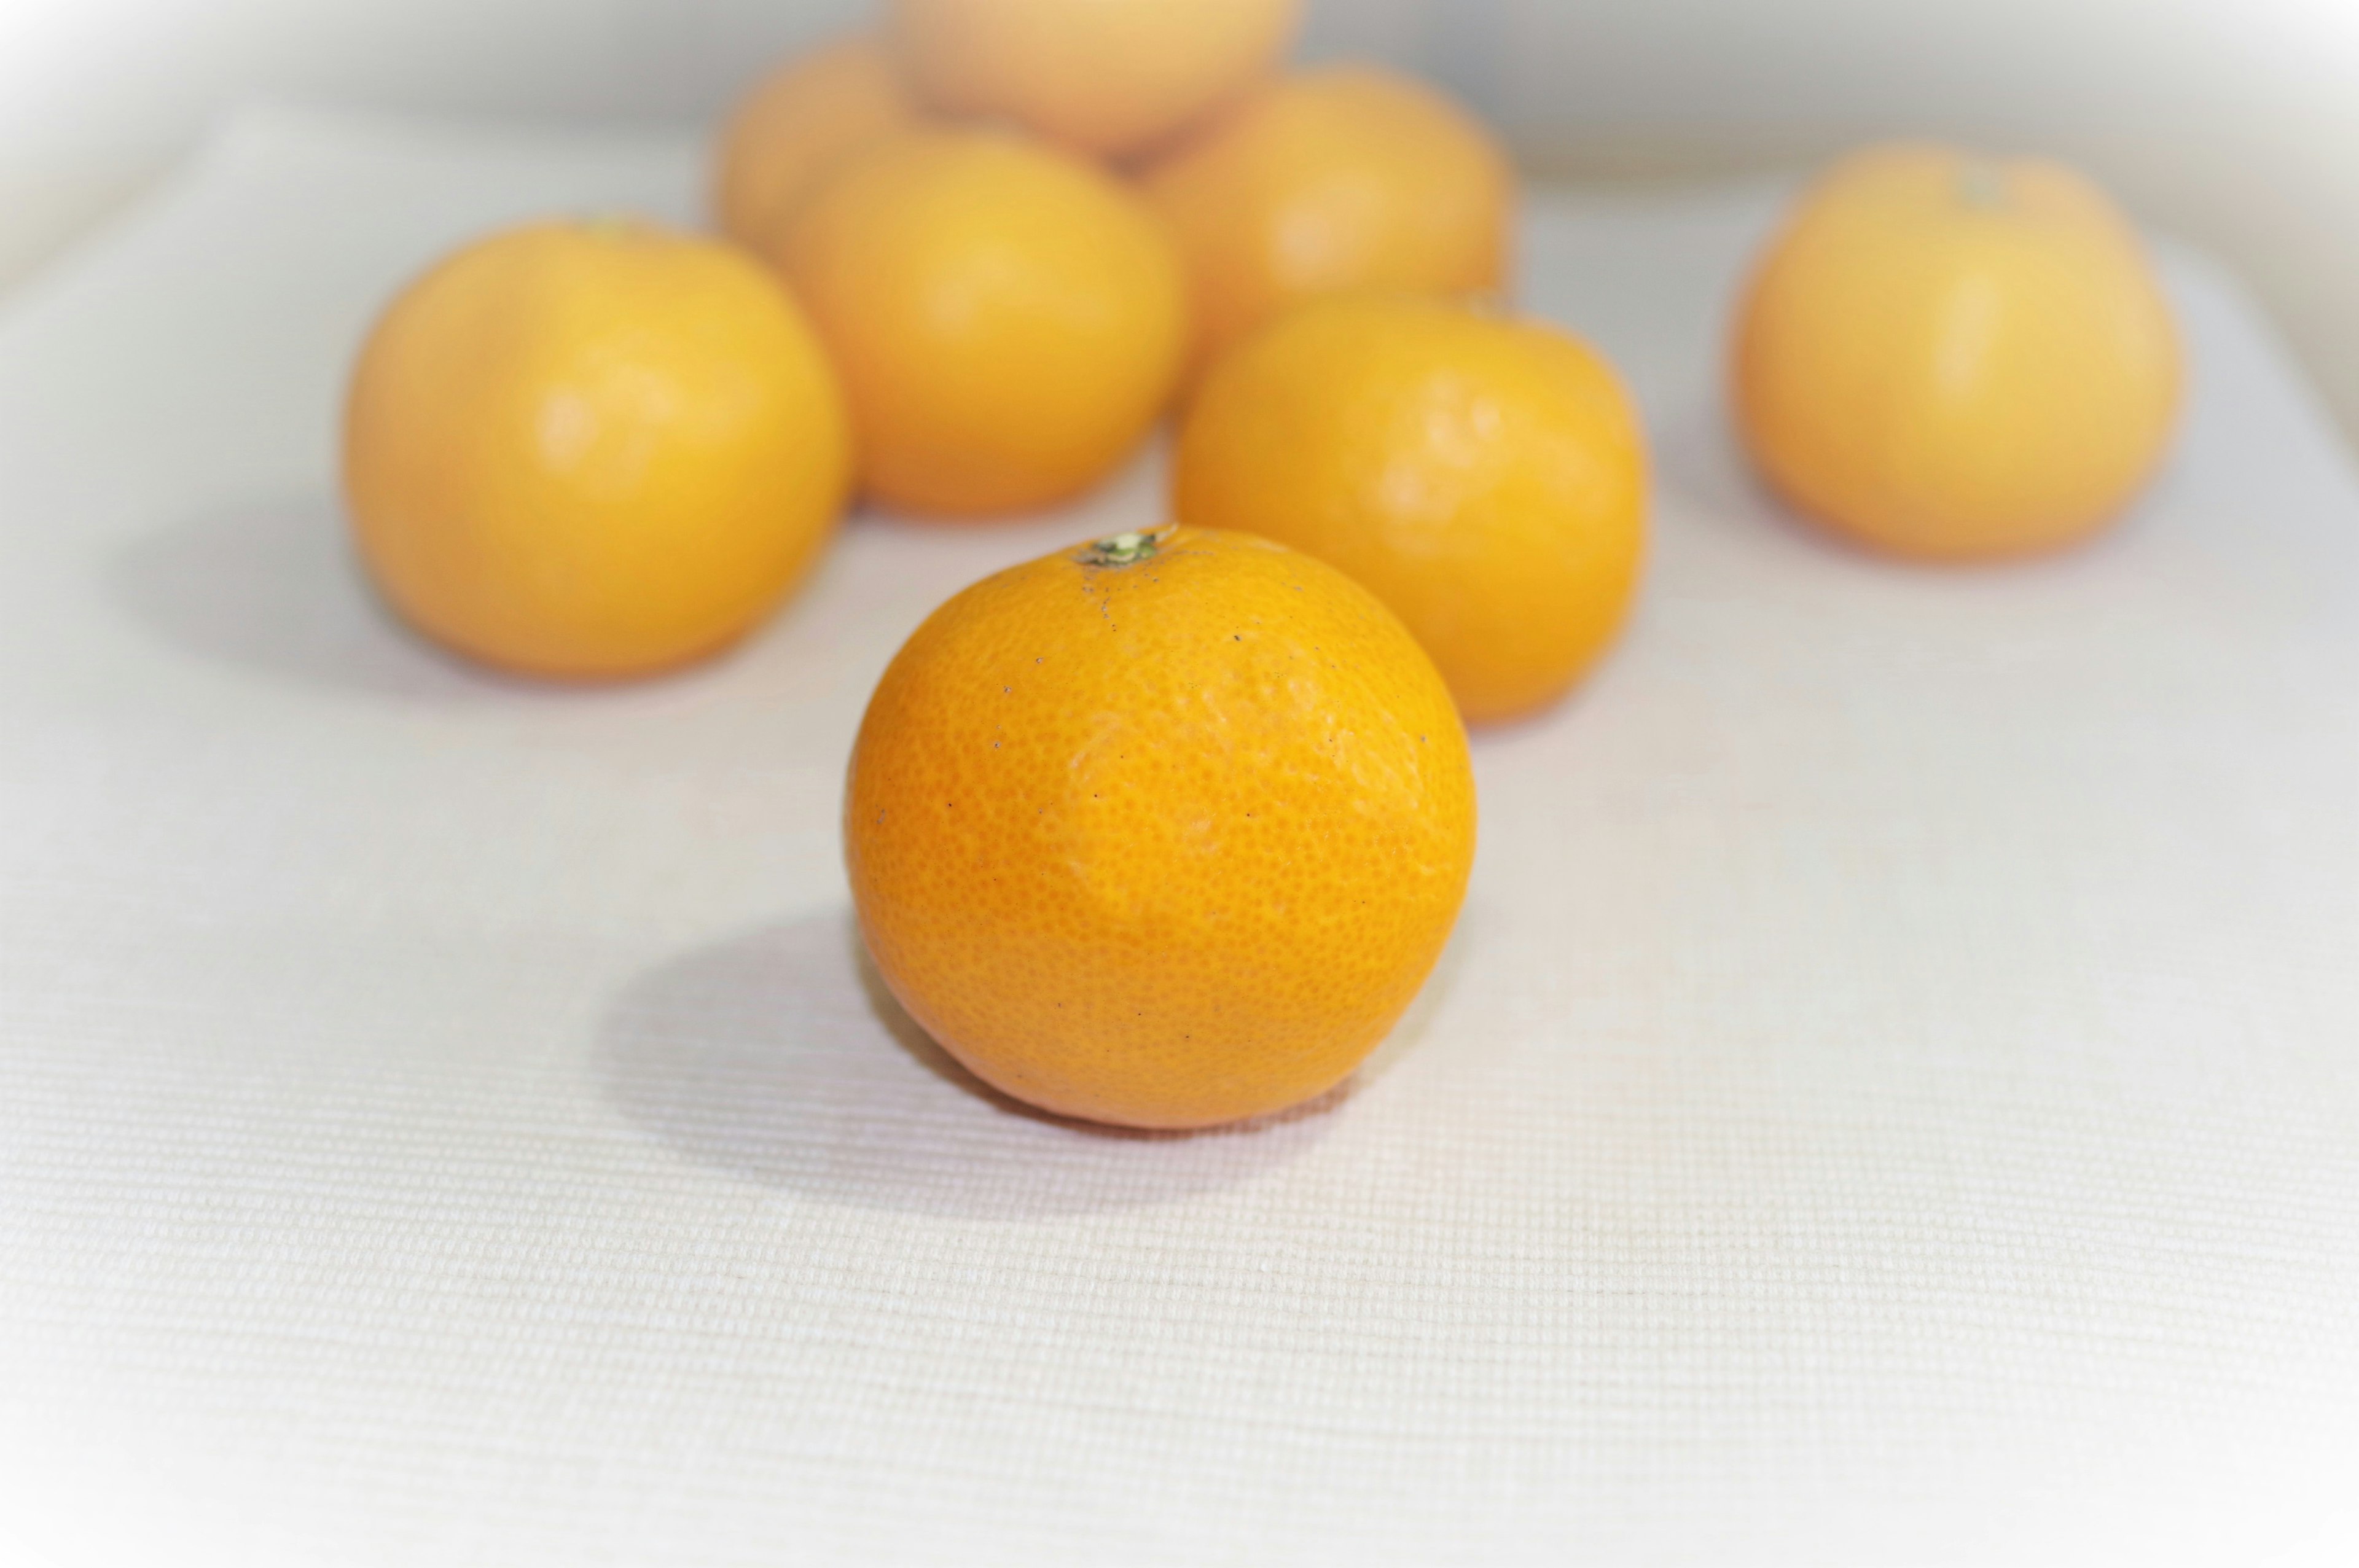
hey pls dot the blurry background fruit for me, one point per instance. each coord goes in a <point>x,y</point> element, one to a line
<point>1007,318</point>
<point>593,448</point>
<point>1345,176</point>
<point>1486,477</point>
<point>1111,77</point>
<point>797,124</point>
<point>2228,123</point>
<point>1107,847</point>
<point>1944,355</point>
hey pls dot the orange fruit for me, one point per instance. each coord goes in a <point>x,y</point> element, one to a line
<point>1347,177</point>
<point>1484,477</point>
<point>1108,77</point>
<point>1007,318</point>
<point>591,448</point>
<point>1165,831</point>
<point>1944,356</point>
<point>797,124</point>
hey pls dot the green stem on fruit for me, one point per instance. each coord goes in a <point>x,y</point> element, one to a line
<point>1122,550</point>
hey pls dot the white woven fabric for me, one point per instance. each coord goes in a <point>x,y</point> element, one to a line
<point>1894,1097</point>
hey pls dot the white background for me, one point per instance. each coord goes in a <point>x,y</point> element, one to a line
<point>2233,122</point>
<point>1890,1099</point>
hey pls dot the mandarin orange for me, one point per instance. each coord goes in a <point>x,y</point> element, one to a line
<point>1165,831</point>
<point>593,448</point>
<point>1947,357</point>
<point>1007,318</point>
<point>797,124</point>
<point>1346,177</point>
<point>1108,77</point>
<point>1484,477</point>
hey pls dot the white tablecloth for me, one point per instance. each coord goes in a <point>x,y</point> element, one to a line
<point>1894,1097</point>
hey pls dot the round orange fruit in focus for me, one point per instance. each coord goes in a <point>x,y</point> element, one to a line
<point>1486,477</point>
<point>592,449</point>
<point>1948,356</point>
<point>1346,177</point>
<point>1109,77</point>
<point>1165,831</point>
<point>798,124</point>
<point>1007,318</point>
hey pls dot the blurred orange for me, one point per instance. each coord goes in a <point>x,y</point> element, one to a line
<point>1484,477</point>
<point>799,123</point>
<point>593,448</point>
<point>1164,831</point>
<point>1945,356</point>
<point>1007,318</point>
<point>1109,77</point>
<point>1344,176</point>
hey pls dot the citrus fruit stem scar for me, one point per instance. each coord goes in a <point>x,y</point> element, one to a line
<point>1122,550</point>
<point>1981,183</point>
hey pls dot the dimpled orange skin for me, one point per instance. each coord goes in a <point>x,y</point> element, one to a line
<point>1346,177</point>
<point>797,124</point>
<point>1484,477</point>
<point>1007,318</point>
<point>1165,845</point>
<point>593,449</point>
<point>1949,358</point>
<point>1106,77</point>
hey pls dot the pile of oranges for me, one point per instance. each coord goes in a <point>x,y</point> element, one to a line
<point>1168,829</point>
